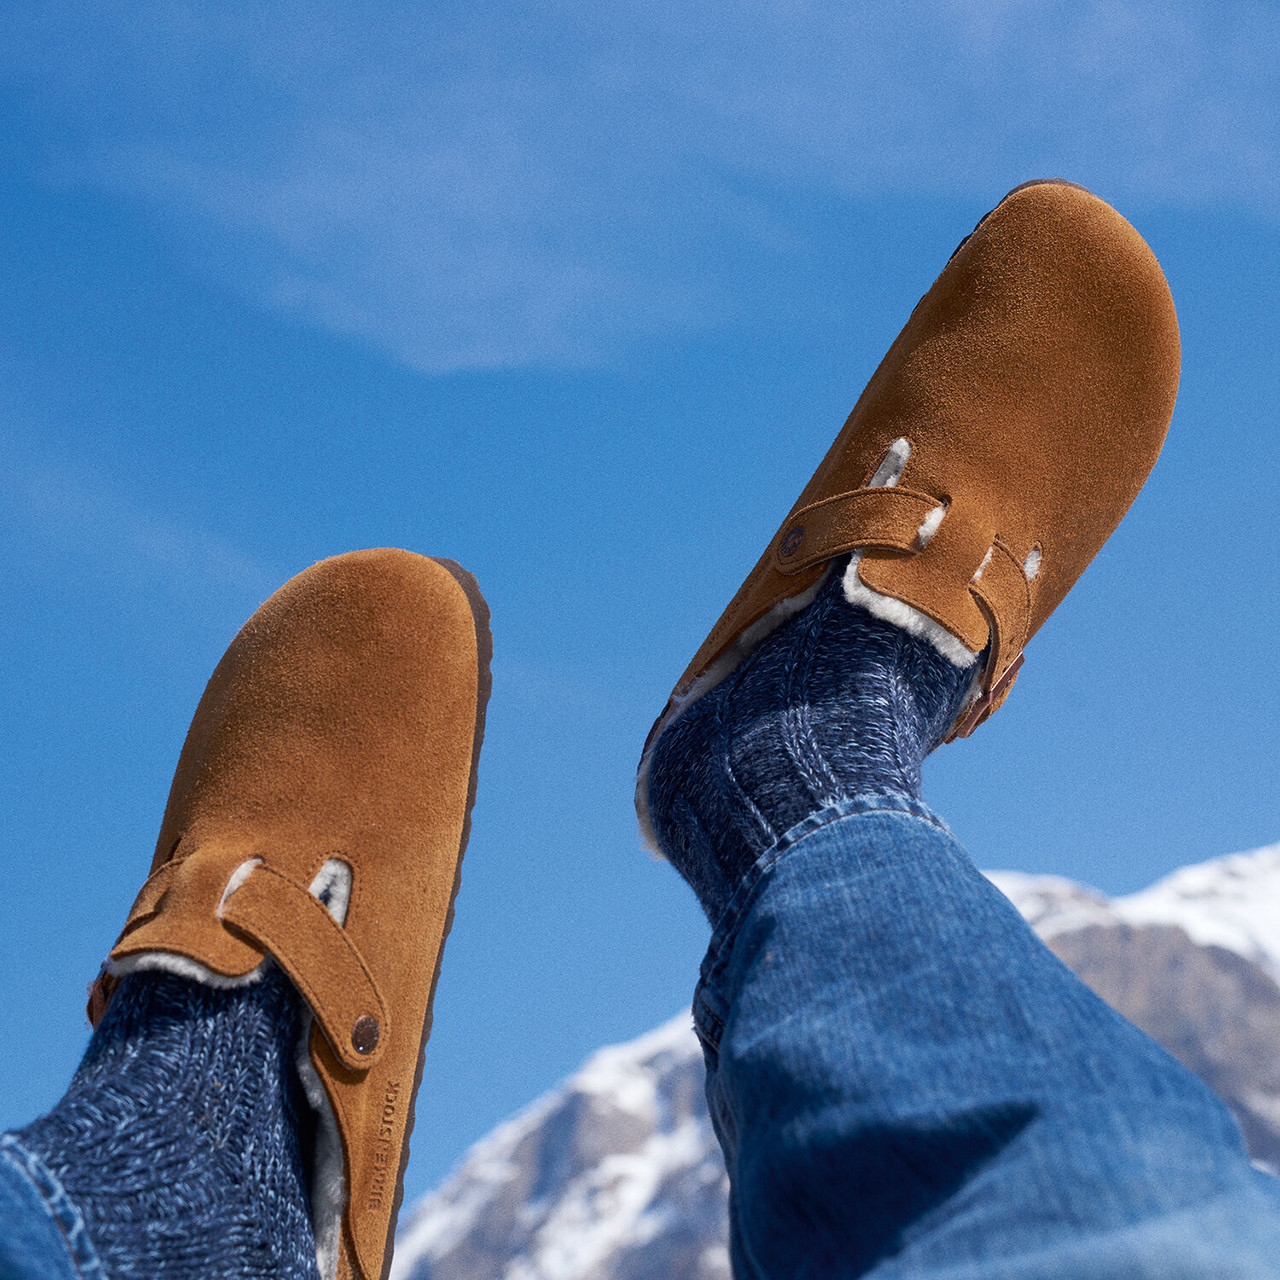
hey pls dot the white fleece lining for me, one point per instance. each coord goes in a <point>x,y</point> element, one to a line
<point>1031,565</point>
<point>332,886</point>
<point>929,526</point>
<point>238,877</point>
<point>892,465</point>
<point>911,620</point>
<point>182,967</point>
<point>982,568</point>
<point>328,1183</point>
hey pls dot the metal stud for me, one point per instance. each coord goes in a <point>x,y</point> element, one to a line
<point>364,1035</point>
<point>791,543</point>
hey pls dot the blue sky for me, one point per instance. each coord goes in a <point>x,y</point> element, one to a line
<point>578,295</point>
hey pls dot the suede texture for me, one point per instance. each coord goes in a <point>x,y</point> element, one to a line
<point>1034,383</point>
<point>343,722</point>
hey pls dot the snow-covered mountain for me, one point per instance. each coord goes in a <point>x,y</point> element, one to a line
<point>1194,960</point>
<point>1232,903</point>
<point>616,1174</point>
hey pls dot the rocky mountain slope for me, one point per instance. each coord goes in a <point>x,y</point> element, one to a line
<point>616,1174</point>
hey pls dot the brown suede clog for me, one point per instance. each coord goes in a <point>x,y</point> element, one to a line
<point>993,452</point>
<point>336,742</point>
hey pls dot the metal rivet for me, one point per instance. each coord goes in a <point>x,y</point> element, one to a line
<point>791,543</point>
<point>364,1035</point>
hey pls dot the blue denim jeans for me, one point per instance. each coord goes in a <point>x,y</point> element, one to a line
<point>907,1083</point>
<point>42,1235</point>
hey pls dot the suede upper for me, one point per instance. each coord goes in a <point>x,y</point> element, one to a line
<point>1034,383</point>
<point>344,722</point>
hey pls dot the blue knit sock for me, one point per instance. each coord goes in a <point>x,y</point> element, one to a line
<point>832,705</point>
<point>178,1139</point>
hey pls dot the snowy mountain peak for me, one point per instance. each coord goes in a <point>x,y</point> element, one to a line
<point>628,1075</point>
<point>617,1163</point>
<point>1052,904</point>
<point>1231,902</point>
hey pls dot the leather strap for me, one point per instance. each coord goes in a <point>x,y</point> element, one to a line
<point>889,519</point>
<point>987,703</point>
<point>268,913</point>
<point>884,519</point>
<point>188,883</point>
<point>1004,594</point>
<point>315,951</point>
<point>151,893</point>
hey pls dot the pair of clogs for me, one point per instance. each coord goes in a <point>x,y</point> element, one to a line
<point>322,800</point>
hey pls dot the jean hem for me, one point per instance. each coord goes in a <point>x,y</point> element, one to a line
<point>708,1008</point>
<point>61,1209</point>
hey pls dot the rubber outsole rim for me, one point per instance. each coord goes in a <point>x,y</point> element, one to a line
<point>484,686</point>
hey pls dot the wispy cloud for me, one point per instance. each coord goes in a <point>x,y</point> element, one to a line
<point>61,513</point>
<point>476,187</point>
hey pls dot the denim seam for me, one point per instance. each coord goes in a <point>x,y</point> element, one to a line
<point>710,1024</point>
<point>58,1205</point>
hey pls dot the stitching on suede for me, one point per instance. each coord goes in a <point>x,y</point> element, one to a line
<point>357,884</point>
<point>1031,565</point>
<point>158,877</point>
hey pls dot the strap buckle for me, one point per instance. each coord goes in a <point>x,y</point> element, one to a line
<point>987,702</point>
